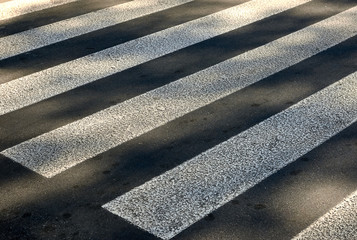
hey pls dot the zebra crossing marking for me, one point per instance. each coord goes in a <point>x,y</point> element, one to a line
<point>16,8</point>
<point>171,202</point>
<point>339,223</point>
<point>45,35</point>
<point>64,77</point>
<point>55,151</point>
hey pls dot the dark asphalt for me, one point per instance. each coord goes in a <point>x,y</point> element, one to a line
<point>68,206</point>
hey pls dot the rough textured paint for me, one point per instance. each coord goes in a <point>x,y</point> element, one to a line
<point>339,224</point>
<point>171,202</point>
<point>76,26</point>
<point>64,77</point>
<point>62,148</point>
<point>16,8</point>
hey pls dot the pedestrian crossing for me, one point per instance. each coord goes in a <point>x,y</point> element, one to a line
<point>64,77</point>
<point>176,199</point>
<point>76,26</point>
<point>148,111</point>
<point>16,8</point>
<point>216,176</point>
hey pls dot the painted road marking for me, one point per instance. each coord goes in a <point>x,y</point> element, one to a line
<point>339,223</point>
<point>42,36</point>
<point>64,77</point>
<point>171,202</point>
<point>64,147</point>
<point>16,8</point>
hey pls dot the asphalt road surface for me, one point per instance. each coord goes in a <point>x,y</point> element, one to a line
<point>178,119</point>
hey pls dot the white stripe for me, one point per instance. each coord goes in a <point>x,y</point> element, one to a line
<point>338,224</point>
<point>72,27</point>
<point>60,149</point>
<point>16,8</point>
<point>50,82</point>
<point>171,202</point>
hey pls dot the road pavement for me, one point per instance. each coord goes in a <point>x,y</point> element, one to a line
<point>187,119</point>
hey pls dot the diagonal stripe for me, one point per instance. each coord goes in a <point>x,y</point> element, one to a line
<point>171,202</point>
<point>16,8</point>
<point>69,28</point>
<point>339,223</point>
<point>60,149</point>
<point>48,83</point>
